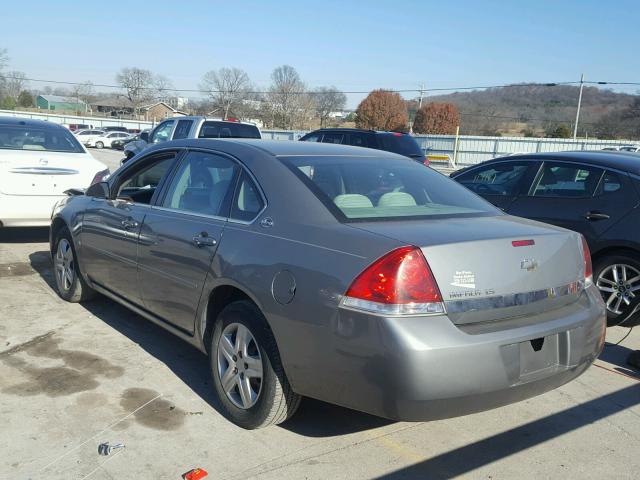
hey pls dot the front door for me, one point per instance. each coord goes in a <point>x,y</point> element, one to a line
<point>180,236</point>
<point>111,227</point>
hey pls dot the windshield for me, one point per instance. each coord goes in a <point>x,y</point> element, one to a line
<point>22,137</point>
<point>357,188</point>
<point>213,129</point>
<point>401,144</point>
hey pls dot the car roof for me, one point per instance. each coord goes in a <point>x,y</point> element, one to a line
<point>281,148</point>
<point>358,130</point>
<point>625,161</point>
<point>28,122</point>
<point>211,119</point>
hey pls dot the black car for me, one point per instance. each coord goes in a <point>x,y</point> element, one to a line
<point>121,142</point>
<point>396,142</point>
<point>595,193</point>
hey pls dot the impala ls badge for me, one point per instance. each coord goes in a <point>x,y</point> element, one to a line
<point>529,264</point>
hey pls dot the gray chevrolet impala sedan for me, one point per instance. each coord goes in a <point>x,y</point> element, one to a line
<point>354,276</point>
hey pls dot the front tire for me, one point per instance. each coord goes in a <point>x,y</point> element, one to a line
<point>617,276</point>
<point>99,145</point>
<point>69,282</point>
<point>248,376</point>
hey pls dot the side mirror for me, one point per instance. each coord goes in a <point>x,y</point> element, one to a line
<point>98,190</point>
<point>144,136</point>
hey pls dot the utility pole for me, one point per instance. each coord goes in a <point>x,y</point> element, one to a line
<point>421,94</point>
<point>575,127</point>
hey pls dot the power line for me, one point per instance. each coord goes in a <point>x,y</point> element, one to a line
<point>414,90</point>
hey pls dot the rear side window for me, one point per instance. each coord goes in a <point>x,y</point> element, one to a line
<point>366,188</point>
<point>499,179</point>
<point>22,137</point>
<point>400,143</point>
<point>247,202</point>
<point>182,129</point>
<point>311,137</point>
<point>215,129</point>
<point>566,180</point>
<point>357,140</point>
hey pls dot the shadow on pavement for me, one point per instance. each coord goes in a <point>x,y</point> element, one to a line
<point>618,355</point>
<point>24,235</point>
<point>313,419</point>
<point>465,459</point>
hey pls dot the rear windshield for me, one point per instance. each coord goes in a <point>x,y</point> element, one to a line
<point>401,144</point>
<point>21,137</point>
<point>212,129</point>
<point>365,189</point>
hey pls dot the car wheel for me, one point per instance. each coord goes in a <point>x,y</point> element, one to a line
<point>69,282</point>
<point>248,376</point>
<point>99,145</point>
<point>618,279</point>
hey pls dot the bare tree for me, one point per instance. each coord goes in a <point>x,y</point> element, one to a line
<point>83,92</point>
<point>227,88</point>
<point>4,58</point>
<point>138,85</point>
<point>285,95</point>
<point>328,99</point>
<point>163,87</point>
<point>14,83</point>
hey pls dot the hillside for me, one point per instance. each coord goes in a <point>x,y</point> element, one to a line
<point>535,109</point>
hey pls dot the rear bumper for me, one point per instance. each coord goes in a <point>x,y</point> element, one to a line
<point>426,368</point>
<point>26,210</point>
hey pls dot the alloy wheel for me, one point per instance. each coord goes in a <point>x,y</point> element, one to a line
<point>240,365</point>
<point>64,265</point>
<point>619,284</point>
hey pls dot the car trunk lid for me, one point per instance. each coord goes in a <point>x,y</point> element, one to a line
<point>491,268</point>
<point>43,173</point>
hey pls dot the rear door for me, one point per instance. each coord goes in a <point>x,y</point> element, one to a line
<point>500,183</point>
<point>181,233</point>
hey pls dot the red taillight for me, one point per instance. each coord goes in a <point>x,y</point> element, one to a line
<point>426,161</point>
<point>100,177</point>
<point>523,243</point>
<point>588,267</point>
<point>231,119</point>
<point>401,282</point>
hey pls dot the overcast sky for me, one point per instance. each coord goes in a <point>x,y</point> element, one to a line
<point>354,45</point>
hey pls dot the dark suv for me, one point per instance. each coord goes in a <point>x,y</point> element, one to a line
<point>595,193</point>
<point>400,143</point>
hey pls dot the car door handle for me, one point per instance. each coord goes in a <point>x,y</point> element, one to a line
<point>129,224</point>
<point>204,240</point>
<point>596,216</point>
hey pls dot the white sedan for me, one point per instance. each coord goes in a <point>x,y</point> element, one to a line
<point>86,135</point>
<point>38,162</point>
<point>106,139</point>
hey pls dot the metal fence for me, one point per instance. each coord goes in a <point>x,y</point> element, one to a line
<point>470,149</point>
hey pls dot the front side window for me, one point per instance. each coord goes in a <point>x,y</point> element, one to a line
<point>247,202</point>
<point>499,179</point>
<point>162,133</point>
<point>370,188</point>
<point>566,180</point>
<point>139,185</point>
<point>610,183</point>
<point>22,137</point>
<point>203,184</point>
<point>312,137</point>
<point>333,138</point>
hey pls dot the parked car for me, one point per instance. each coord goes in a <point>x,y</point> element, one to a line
<point>38,162</point>
<point>630,148</point>
<point>115,129</point>
<point>119,143</point>
<point>595,193</point>
<point>85,136</point>
<point>311,270</point>
<point>106,139</point>
<point>76,127</point>
<point>192,127</point>
<point>396,142</point>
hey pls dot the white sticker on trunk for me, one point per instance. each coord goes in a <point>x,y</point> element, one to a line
<point>464,278</point>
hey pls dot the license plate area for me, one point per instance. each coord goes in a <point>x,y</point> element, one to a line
<point>538,356</point>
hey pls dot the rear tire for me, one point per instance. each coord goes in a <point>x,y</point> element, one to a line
<point>268,398</point>
<point>99,145</point>
<point>615,294</point>
<point>69,282</point>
